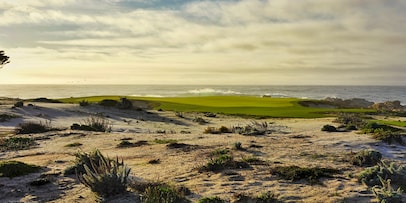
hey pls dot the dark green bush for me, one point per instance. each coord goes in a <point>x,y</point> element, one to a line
<point>31,127</point>
<point>108,103</point>
<point>16,143</point>
<point>395,172</point>
<point>294,173</point>
<point>383,132</point>
<point>16,168</point>
<point>329,128</point>
<point>163,193</point>
<point>82,159</point>
<point>93,123</point>
<point>366,158</point>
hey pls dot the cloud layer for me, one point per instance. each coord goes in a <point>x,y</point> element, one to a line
<point>208,42</point>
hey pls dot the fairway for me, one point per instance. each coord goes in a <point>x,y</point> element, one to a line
<point>231,105</point>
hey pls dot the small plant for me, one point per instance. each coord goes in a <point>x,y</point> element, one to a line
<point>75,144</point>
<point>13,169</point>
<point>220,160</point>
<point>366,158</point>
<point>106,177</point>
<point>238,146</point>
<point>32,127</point>
<point>125,144</point>
<point>163,193</point>
<point>386,193</point>
<point>329,128</point>
<point>16,143</point>
<point>383,132</point>
<point>6,117</point>
<point>93,123</point>
<point>253,129</point>
<point>294,173</point>
<point>200,120</point>
<point>82,159</point>
<point>350,119</point>
<point>165,141</point>
<point>84,103</point>
<point>267,197</point>
<point>18,104</point>
<point>214,199</point>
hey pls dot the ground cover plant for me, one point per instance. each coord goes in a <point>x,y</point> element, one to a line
<point>7,117</point>
<point>383,132</point>
<point>75,144</point>
<point>231,105</point>
<point>366,158</point>
<point>33,127</point>
<point>16,168</point>
<point>157,192</point>
<point>93,123</point>
<point>294,173</point>
<point>222,159</point>
<point>16,143</point>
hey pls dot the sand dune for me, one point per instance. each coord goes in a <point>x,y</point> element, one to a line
<point>293,142</point>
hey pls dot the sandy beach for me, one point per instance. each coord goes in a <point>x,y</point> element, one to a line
<point>292,142</point>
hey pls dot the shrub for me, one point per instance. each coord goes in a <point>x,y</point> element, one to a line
<point>165,141</point>
<point>386,193</point>
<point>383,132</point>
<point>31,127</point>
<point>267,197</point>
<point>220,160</point>
<point>84,103</point>
<point>255,128</point>
<point>124,104</point>
<point>125,143</point>
<point>6,117</point>
<point>19,104</point>
<point>350,119</point>
<point>108,103</point>
<point>366,158</point>
<point>15,168</point>
<point>82,159</point>
<point>371,176</point>
<point>93,123</point>
<point>16,143</point>
<point>106,177</point>
<point>238,146</point>
<point>162,194</point>
<point>294,173</point>
<point>329,128</point>
<point>200,120</point>
<point>75,144</point>
<point>211,200</point>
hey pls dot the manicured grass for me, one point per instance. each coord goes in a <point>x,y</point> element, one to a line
<point>393,123</point>
<point>231,105</point>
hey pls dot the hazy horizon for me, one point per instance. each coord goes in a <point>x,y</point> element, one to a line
<point>191,42</point>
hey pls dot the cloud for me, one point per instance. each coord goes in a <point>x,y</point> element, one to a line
<point>278,39</point>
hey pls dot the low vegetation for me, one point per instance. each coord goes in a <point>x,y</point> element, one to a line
<point>294,173</point>
<point>383,132</point>
<point>33,127</point>
<point>75,144</point>
<point>265,197</point>
<point>221,159</point>
<point>13,169</point>
<point>6,117</point>
<point>366,158</point>
<point>16,143</point>
<point>214,199</point>
<point>93,123</point>
<point>253,129</point>
<point>82,159</point>
<point>160,192</point>
<point>220,130</point>
<point>329,128</point>
<point>105,177</point>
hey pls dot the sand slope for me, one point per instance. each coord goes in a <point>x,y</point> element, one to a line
<point>293,142</point>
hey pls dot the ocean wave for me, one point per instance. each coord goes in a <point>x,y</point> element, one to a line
<point>276,94</point>
<point>210,91</point>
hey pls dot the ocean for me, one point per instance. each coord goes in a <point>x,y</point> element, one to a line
<point>370,93</point>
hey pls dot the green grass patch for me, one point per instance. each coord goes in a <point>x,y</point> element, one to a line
<point>392,123</point>
<point>231,105</point>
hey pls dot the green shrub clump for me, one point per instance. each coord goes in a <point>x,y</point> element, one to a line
<point>329,128</point>
<point>106,177</point>
<point>366,158</point>
<point>93,123</point>
<point>32,127</point>
<point>163,193</point>
<point>220,160</point>
<point>384,133</point>
<point>294,173</point>
<point>16,168</point>
<point>16,143</point>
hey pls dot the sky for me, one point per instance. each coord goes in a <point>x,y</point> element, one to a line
<point>231,42</point>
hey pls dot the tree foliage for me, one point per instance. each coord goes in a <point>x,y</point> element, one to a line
<point>3,59</point>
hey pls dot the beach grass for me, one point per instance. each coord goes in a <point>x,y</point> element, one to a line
<point>231,105</point>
